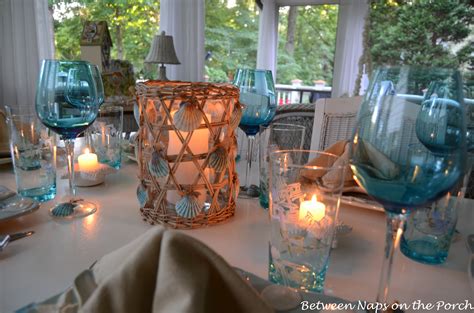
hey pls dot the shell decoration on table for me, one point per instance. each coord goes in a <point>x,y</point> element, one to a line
<point>188,117</point>
<point>236,116</point>
<point>157,165</point>
<point>142,195</point>
<point>63,209</point>
<point>218,159</point>
<point>189,205</point>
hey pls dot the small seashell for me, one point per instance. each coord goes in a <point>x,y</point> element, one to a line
<point>236,116</point>
<point>63,209</point>
<point>158,165</point>
<point>188,117</point>
<point>218,159</point>
<point>188,206</point>
<point>142,195</point>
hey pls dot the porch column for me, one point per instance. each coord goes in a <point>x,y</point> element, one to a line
<point>268,37</point>
<point>184,20</point>
<point>26,38</point>
<point>349,46</point>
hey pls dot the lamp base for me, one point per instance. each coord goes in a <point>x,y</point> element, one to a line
<point>162,73</point>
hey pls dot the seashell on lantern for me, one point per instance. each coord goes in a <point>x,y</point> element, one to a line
<point>189,206</point>
<point>218,159</point>
<point>157,165</point>
<point>236,116</point>
<point>186,162</point>
<point>188,117</point>
<point>142,195</point>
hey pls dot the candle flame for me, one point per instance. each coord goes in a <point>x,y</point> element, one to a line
<point>314,199</point>
<point>86,151</point>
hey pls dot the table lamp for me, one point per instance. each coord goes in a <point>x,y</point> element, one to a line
<point>162,51</point>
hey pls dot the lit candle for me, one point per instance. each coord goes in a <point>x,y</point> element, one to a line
<point>314,209</point>
<point>87,161</point>
<point>187,171</point>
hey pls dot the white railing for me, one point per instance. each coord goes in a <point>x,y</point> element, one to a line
<point>287,94</point>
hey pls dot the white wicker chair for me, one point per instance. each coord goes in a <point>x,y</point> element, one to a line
<point>334,119</point>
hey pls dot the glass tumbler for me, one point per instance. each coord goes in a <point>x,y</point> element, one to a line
<point>276,136</point>
<point>33,151</point>
<point>106,135</point>
<point>304,202</point>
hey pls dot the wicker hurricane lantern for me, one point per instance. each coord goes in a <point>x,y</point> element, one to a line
<point>186,152</point>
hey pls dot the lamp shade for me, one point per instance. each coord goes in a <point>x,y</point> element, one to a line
<point>162,50</point>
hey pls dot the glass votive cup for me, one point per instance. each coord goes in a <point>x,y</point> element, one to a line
<point>106,135</point>
<point>429,231</point>
<point>276,136</point>
<point>304,202</point>
<point>33,152</point>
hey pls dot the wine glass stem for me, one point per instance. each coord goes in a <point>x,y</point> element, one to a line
<point>395,224</point>
<point>250,144</point>
<point>69,145</point>
<point>88,139</point>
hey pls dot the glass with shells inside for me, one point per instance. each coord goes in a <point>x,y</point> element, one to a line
<point>304,202</point>
<point>186,152</point>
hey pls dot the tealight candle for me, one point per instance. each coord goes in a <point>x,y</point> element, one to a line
<point>87,161</point>
<point>316,209</point>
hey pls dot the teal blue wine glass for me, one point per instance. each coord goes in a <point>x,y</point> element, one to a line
<point>67,103</point>
<point>406,107</point>
<point>100,99</point>
<point>257,94</point>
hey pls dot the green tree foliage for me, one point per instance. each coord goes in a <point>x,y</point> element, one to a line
<point>315,41</point>
<point>231,38</point>
<point>132,25</point>
<point>421,32</point>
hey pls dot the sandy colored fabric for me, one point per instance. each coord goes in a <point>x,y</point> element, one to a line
<point>341,149</point>
<point>382,166</point>
<point>162,271</point>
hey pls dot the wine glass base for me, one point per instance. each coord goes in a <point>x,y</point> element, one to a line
<point>76,208</point>
<point>281,298</point>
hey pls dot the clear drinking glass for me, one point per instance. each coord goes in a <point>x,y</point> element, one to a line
<point>304,202</point>
<point>257,94</point>
<point>276,136</point>
<point>67,103</point>
<point>408,105</point>
<point>33,152</point>
<point>106,135</point>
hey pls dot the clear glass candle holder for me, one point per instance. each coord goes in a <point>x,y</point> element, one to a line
<point>304,202</point>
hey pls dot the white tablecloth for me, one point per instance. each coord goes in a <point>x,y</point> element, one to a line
<point>37,267</point>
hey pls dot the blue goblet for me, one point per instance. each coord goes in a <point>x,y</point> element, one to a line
<point>67,103</point>
<point>396,114</point>
<point>257,94</point>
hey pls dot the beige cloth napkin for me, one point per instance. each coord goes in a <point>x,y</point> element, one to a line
<point>380,164</point>
<point>341,149</point>
<point>161,271</point>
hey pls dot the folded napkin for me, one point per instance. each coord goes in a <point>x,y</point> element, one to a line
<point>161,271</point>
<point>380,164</point>
<point>329,178</point>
